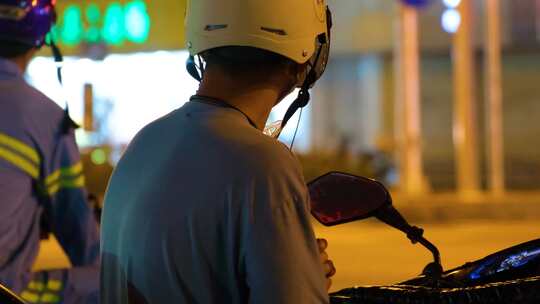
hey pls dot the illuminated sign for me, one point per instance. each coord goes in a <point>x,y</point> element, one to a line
<point>116,24</point>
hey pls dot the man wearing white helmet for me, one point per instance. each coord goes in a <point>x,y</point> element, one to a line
<point>204,207</point>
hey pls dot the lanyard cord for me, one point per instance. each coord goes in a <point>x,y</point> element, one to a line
<point>296,129</point>
<point>220,103</point>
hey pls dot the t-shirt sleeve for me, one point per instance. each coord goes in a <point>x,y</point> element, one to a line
<point>71,218</point>
<point>281,254</point>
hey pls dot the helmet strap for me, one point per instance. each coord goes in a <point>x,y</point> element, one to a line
<point>67,123</point>
<point>196,71</point>
<point>59,59</point>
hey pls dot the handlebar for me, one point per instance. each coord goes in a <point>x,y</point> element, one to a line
<point>517,292</point>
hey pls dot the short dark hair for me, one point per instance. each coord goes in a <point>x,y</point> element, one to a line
<point>243,60</point>
<point>12,49</point>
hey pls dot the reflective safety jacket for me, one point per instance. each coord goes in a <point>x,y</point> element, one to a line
<point>40,171</point>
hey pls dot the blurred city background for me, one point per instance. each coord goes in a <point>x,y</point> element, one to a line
<point>439,100</point>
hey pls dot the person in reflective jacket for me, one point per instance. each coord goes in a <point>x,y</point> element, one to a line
<point>41,180</point>
<point>204,207</point>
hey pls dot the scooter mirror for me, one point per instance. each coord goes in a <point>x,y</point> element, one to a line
<point>338,198</point>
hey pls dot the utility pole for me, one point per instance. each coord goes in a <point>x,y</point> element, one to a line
<point>465,127</point>
<point>408,106</point>
<point>494,130</point>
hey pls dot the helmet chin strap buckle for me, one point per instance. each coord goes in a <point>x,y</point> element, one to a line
<point>303,98</point>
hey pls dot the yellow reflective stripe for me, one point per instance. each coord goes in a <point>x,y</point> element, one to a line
<point>20,162</point>
<point>73,183</point>
<point>20,147</point>
<point>52,178</point>
<point>53,189</point>
<point>50,298</point>
<point>39,286</point>
<point>67,183</point>
<point>54,285</point>
<point>64,172</point>
<point>30,296</point>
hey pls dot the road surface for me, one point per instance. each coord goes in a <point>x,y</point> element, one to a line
<point>370,253</point>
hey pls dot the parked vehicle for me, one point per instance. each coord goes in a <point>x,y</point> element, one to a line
<point>508,276</point>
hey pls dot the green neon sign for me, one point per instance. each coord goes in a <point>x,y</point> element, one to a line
<point>93,16</point>
<point>71,33</point>
<point>113,30</point>
<point>115,25</point>
<point>137,22</point>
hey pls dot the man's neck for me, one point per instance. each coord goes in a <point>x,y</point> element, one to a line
<point>20,62</point>
<point>255,102</point>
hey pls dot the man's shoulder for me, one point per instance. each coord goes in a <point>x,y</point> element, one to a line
<point>39,99</point>
<point>223,142</point>
<point>270,161</point>
<point>24,97</point>
<point>23,107</point>
<point>270,152</point>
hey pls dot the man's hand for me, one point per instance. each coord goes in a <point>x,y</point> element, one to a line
<point>328,265</point>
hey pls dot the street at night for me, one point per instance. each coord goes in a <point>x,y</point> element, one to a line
<point>159,151</point>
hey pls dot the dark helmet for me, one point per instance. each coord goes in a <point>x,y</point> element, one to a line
<point>26,21</point>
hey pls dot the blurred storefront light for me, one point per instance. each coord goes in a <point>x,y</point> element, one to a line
<point>132,90</point>
<point>99,157</point>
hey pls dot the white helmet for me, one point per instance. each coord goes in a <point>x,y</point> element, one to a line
<point>286,27</point>
<point>296,29</point>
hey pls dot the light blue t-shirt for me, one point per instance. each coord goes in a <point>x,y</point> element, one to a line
<point>204,208</point>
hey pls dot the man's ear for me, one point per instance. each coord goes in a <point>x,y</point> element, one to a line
<point>294,76</point>
<point>300,73</point>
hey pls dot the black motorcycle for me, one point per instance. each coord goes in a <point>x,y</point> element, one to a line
<point>509,276</point>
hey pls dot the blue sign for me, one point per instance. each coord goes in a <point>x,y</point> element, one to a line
<point>416,3</point>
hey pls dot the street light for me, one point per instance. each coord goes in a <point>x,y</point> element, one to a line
<point>451,18</point>
<point>451,3</point>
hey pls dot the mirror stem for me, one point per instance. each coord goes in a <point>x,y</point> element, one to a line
<point>433,249</point>
<point>392,217</point>
<point>415,234</point>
